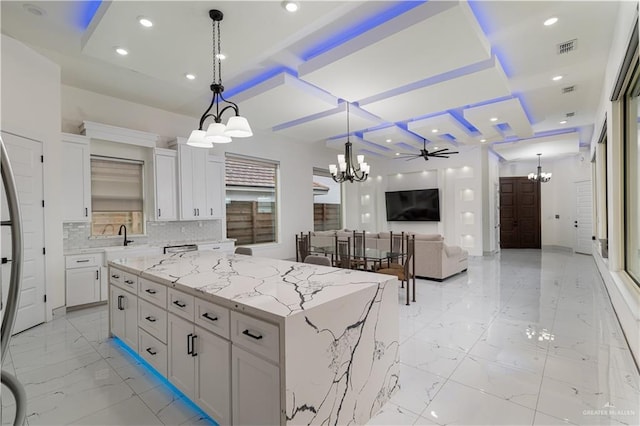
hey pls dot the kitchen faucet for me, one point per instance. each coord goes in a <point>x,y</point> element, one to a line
<point>126,242</point>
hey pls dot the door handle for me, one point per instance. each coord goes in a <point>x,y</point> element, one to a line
<point>193,345</point>
<point>254,336</point>
<point>159,213</point>
<point>5,260</point>
<point>211,212</point>
<point>189,348</point>
<point>120,304</point>
<point>86,212</point>
<point>97,275</point>
<point>210,318</point>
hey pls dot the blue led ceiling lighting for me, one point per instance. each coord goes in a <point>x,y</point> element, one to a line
<point>484,20</point>
<point>86,10</point>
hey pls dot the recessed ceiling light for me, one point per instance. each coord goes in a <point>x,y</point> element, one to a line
<point>121,51</point>
<point>397,153</point>
<point>145,22</point>
<point>434,131</point>
<point>221,56</point>
<point>435,147</point>
<point>290,6</point>
<point>557,78</point>
<point>483,140</point>
<point>190,76</point>
<point>550,21</point>
<point>388,140</point>
<point>493,119</point>
<point>33,9</point>
<point>563,122</point>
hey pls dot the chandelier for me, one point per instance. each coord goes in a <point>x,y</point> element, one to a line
<point>540,176</point>
<point>346,170</point>
<point>217,132</point>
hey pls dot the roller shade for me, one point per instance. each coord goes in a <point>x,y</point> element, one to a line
<point>116,185</point>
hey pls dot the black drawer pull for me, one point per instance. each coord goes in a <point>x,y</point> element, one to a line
<point>254,336</point>
<point>115,276</point>
<point>193,345</point>
<point>120,304</point>
<point>210,318</point>
<point>128,281</point>
<point>179,303</point>
<point>82,261</point>
<point>150,318</point>
<point>151,351</point>
<point>189,348</point>
<point>151,291</point>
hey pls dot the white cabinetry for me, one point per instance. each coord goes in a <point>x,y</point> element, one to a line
<point>76,178</point>
<point>201,183</point>
<point>83,278</point>
<point>166,181</point>
<point>199,366</point>
<point>123,307</point>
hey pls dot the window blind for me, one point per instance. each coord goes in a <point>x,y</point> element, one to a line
<point>116,185</point>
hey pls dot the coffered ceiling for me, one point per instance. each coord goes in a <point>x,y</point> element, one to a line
<point>457,74</point>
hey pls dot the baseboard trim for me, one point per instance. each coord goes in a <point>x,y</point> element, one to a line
<point>59,312</point>
<point>441,279</point>
<point>558,248</point>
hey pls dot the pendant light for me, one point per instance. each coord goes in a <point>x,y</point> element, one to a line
<point>347,170</point>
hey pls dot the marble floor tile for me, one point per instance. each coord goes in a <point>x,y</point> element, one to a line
<point>392,415</point>
<point>430,357</point>
<point>453,331</point>
<point>169,406</point>
<point>131,411</point>
<point>457,404</point>
<point>417,388</point>
<point>546,420</point>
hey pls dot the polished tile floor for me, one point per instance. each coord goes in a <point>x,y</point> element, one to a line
<point>524,338</point>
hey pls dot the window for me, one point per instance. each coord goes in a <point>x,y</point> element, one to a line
<point>251,199</point>
<point>632,180</point>
<point>116,196</point>
<point>326,202</point>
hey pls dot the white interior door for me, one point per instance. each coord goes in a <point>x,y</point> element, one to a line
<point>24,155</point>
<point>583,221</point>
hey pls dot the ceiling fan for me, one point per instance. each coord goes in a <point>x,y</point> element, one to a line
<point>424,153</point>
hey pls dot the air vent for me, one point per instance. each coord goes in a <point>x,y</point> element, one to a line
<point>567,46</point>
<point>568,89</point>
<point>570,114</point>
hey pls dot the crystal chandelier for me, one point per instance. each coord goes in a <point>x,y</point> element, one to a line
<point>217,132</point>
<point>540,176</point>
<point>346,170</point>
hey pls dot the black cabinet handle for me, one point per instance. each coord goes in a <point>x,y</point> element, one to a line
<point>150,318</point>
<point>97,275</point>
<point>193,345</point>
<point>159,213</point>
<point>211,212</point>
<point>151,291</point>
<point>189,348</point>
<point>86,212</point>
<point>194,212</point>
<point>254,336</point>
<point>120,305</point>
<point>209,317</point>
<point>128,281</point>
<point>82,261</point>
<point>179,303</point>
<point>151,351</point>
<point>115,276</point>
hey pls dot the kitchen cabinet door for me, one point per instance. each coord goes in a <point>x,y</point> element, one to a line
<point>213,375</point>
<point>215,188</point>
<point>76,179</point>
<point>83,286</point>
<point>192,182</point>
<point>255,387</point>
<point>182,363</point>
<point>166,181</point>
<point>124,316</point>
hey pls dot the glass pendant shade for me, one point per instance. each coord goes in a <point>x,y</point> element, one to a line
<point>216,133</point>
<point>197,139</point>
<point>238,127</point>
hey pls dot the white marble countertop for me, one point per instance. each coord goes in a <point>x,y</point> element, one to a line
<point>278,288</point>
<point>133,247</point>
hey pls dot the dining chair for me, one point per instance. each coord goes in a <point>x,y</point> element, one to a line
<point>359,260</point>
<point>244,250</point>
<point>396,245</point>
<point>406,271</point>
<point>343,252</point>
<point>318,260</point>
<point>303,247</point>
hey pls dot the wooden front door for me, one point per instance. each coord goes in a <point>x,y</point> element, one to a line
<point>519,213</point>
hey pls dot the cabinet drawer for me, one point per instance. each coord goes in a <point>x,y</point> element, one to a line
<point>130,282</point>
<point>83,260</point>
<point>153,319</point>
<point>255,335</point>
<point>153,351</point>
<point>181,304</point>
<point>116,276</point>
<point>212,317</point>
<point>153,292</point>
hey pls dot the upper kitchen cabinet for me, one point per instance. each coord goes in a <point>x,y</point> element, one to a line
<point>76,178</point>
<point>201,183</point>
<point>166,184</point>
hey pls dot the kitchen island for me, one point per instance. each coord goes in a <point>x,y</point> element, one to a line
<point>262,341</point>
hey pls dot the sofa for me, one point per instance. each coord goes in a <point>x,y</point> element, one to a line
<point>435,260</point>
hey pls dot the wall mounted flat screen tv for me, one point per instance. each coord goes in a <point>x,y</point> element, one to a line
<point>419,205</point>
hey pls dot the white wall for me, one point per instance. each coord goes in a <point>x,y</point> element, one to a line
<point>297,159</point>
<point>31,108</point>
<point>557,197</point>
<point>624,293</point>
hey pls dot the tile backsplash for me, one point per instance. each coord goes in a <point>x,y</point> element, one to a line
<point>77,235</point>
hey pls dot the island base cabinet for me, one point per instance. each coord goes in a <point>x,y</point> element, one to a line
<point>124,317</point>
<point>199,366</point>
<point>255,387</point>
